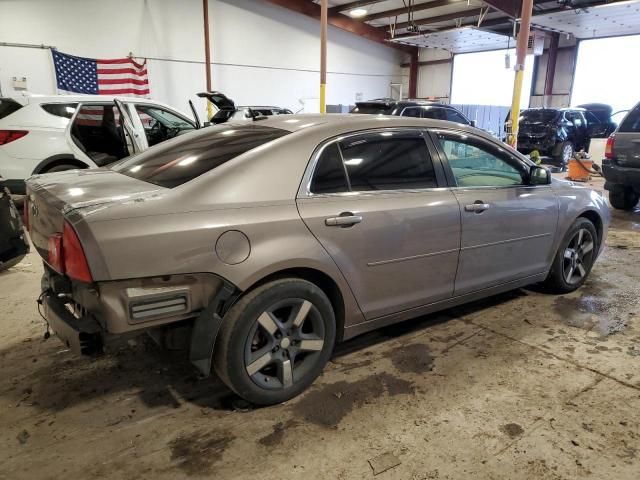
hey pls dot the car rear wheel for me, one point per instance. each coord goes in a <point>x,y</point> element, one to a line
<point>275,341</point>
<point>574,258</point>
<point>623,198</point>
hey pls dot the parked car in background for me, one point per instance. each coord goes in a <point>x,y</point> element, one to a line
<point>228,111</point>
<point>270,241</point>
<point>621,166</point>
<point>599,118</point>
<point>553,132</point>
<point>13,239</point>
<point>412,108</point>
<point>42,134</point>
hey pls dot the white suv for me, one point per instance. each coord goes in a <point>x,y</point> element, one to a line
<point>40,134</point>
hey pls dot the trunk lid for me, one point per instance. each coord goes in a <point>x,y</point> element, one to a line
<point>52,196</point>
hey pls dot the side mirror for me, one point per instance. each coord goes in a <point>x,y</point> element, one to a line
<point>539,175</point>
<point>473,123</point>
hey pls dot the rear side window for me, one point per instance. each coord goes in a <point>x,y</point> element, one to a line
<point>387,161</point>
<point>65,110</point>
<point>8,106</point>
<point>329,175</point>
<point>631,122</point>
<point>184,158</point>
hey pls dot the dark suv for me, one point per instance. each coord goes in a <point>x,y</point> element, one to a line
<point>412,108</point>
<point>554,132</point>
<point>621,166</point>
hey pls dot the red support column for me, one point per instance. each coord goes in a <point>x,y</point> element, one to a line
<point>413,74</point>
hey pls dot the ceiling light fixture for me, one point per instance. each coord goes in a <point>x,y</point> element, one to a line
<point>358,12</point>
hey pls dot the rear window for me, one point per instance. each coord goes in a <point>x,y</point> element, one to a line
<point>8,106</point>
<point>65,110</point>
<point>538,116</point>
<point>184,158</point>
<point>373,109</point>
<point>631,122</point>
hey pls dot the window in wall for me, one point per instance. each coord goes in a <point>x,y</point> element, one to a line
<point>605,73</point>
<point>481,79</point>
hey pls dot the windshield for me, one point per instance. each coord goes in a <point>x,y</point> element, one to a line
<point>178,161</point>
<point>373,109</point>
<point>538,116</point>
<point>8,106</point>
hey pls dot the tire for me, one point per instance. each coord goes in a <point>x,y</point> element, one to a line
<point>623,198</point>
<point>11,263</point>
<point>61,168</point>
<point>574,258</point>
<point>252,350</point>
<point>564,153</point>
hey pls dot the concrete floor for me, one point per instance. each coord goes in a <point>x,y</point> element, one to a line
<point>524,385</point>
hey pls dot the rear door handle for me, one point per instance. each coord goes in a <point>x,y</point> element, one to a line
<point>477,207</point>
<point>345,219</point>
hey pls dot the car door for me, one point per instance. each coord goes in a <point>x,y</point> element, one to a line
<point>135,139</point>
<point>375,202</point>
<point>508,226</point>
<point>73,142</point>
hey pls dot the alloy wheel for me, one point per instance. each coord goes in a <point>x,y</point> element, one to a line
<point>284,343</point>
<point>567,153</point>
<point>578,256</point>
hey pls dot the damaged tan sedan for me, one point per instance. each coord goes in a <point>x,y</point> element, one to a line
<point>269,242</point>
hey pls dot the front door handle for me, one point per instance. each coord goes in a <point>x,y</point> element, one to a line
<point>477,207</point>
<point>345,219</point>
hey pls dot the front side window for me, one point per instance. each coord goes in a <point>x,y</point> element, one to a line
<point>160,124</point>
<point>474,165</point>
<point>387,161</point>
<point>173,163</point>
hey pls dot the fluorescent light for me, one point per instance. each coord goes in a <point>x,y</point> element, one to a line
<point>358,12</point>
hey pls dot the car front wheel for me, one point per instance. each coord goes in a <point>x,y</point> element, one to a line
<point>574,258</point>
<point>275,341</point>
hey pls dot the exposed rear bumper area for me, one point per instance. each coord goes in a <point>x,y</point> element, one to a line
<point>617,175</point>
<point>82,335</point>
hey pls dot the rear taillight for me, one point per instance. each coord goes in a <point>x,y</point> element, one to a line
<point>56,258</point>
<point>8,136</point>
<point>67,256</point>
<point>608,150</point>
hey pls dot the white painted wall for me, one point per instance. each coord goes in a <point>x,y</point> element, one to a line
<point>562,81</point>
<point>263,54</point>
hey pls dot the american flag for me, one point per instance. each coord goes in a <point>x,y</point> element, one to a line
<point>121,76</point>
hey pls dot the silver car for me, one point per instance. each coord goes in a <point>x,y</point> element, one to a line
<point>271,241</point>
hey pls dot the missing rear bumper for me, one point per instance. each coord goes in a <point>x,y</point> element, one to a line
<point>82,335</point>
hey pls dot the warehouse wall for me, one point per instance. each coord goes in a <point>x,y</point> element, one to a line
<point>434,81</point>
<point>263,54</point>
<point>563,80</point>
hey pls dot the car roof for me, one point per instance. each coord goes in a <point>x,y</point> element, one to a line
<point>342,123</point>
<point>404,103</point>
<point>39,98</point>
